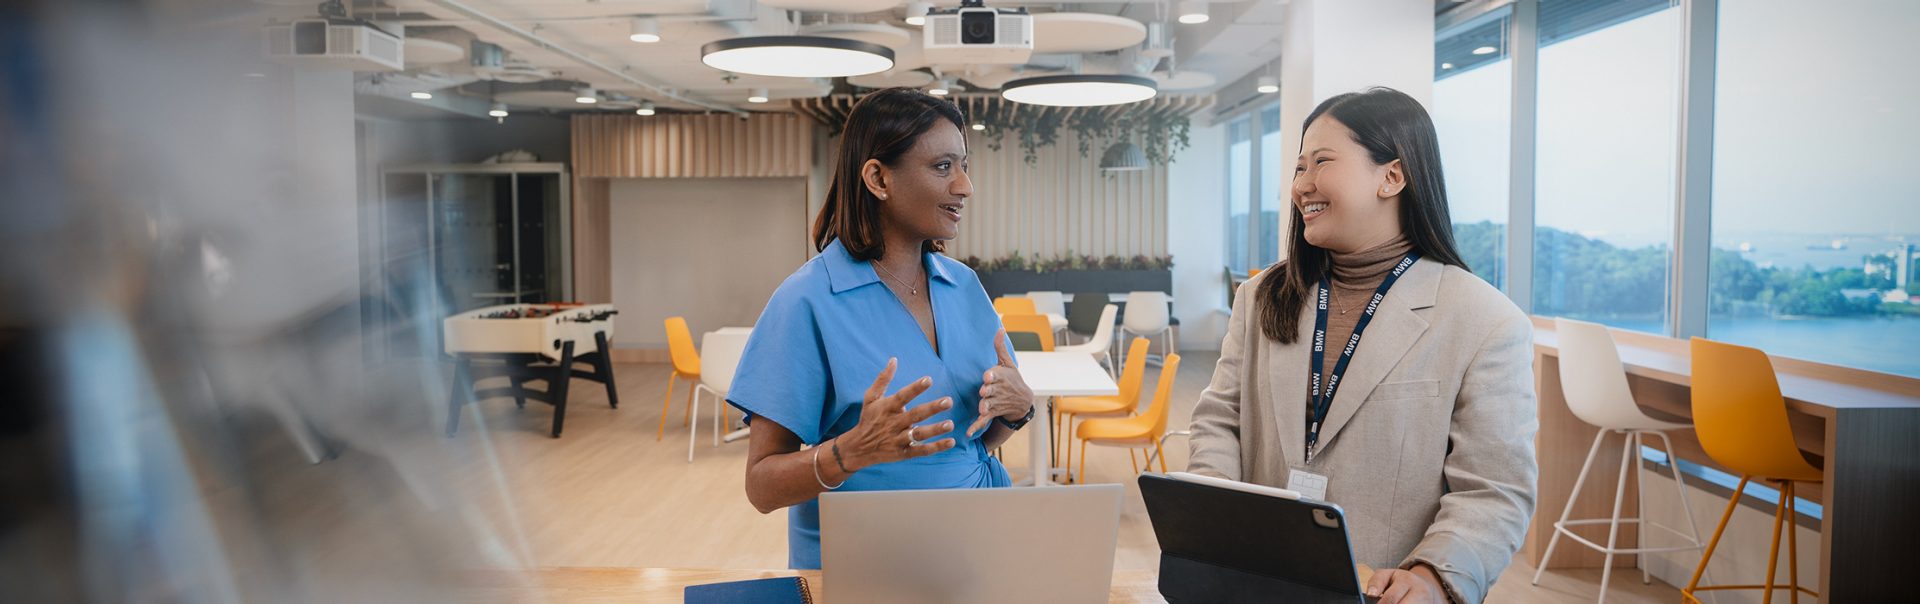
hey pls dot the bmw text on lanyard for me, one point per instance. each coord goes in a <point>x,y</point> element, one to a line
<point>1323,402</point>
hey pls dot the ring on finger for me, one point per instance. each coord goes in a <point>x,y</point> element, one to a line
<point>911,440</point>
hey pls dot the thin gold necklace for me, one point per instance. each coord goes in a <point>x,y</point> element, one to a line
<point>883,269</point>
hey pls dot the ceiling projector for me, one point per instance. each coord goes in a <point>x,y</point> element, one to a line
<point>974,33</point>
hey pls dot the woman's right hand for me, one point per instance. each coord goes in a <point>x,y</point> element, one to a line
<point>886,432</point>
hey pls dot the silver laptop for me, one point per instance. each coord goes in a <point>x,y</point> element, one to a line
<point>1049,544</point>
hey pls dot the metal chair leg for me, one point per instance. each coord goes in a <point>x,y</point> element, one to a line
<point>1567,511</point>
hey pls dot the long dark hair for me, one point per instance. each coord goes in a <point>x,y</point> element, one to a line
<point>883,126</point>
<point>1390,125</point>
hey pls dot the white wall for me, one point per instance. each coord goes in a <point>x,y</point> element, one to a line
<point>1196,224</point>
<point>709,250</point>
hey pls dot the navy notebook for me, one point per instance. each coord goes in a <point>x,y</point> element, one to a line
<point>778,590</point>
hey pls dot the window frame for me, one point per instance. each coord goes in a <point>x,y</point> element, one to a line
<point>1252,117</point>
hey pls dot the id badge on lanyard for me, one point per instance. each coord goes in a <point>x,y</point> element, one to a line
<point>1322,400</point>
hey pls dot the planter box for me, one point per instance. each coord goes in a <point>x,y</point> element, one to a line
<point>1001,283</point>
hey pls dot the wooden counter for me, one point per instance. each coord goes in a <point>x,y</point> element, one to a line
<point>1861,427</point>
<point>669,584</point>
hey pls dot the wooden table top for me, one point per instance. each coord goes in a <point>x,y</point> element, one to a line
<point>1810,388</point>
<point>669,584</point>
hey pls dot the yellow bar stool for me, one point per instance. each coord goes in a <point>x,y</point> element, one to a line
<point>1067,408</point>
<point>686,365</point>
<point>1142,431</point>
<point>1742,423</point>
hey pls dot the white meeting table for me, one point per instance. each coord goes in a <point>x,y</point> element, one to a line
<point>1051,374</point>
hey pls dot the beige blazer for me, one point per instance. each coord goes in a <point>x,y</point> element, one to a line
<point>1429,442</point>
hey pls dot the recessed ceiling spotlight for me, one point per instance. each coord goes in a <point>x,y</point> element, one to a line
<point>797,56</point>
<point>978,127</point>
<point>643,30</point>
<point>759,95</point>
<point>586,95</point>
<point>941,87</point>
<point>917,13</point>
<point>498,110</point>
<point>1485,50</point>
<point>421,95</point>
<point>646,108</point>
<point>1267,85</point>
<point>1192,12</point>
<point>1446,66</point>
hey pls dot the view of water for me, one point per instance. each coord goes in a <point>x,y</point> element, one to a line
<point>1885,344</point>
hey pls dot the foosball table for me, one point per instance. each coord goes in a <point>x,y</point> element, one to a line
<point>529,343</point>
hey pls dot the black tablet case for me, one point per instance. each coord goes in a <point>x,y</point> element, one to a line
<point>1222,545</point>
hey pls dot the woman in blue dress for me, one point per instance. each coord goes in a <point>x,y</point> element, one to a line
<point>884,355</point>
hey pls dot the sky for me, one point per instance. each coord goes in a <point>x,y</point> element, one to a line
<point>1815,129</point>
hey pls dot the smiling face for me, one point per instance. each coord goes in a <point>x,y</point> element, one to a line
<point>924,194</point>
<point>1347,202</point>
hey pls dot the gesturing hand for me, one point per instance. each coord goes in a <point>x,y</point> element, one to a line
<point>1004,393</point>
<point>886,432</point>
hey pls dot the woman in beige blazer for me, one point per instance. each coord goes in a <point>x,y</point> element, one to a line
<point>1427,441</point>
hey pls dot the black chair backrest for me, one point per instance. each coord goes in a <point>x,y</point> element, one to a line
<point>1083,315</point>
<point>1025,341</point>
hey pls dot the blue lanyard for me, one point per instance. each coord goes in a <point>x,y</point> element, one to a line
<point>1324,402</point>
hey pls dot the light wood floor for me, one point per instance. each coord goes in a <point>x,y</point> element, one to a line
<point>608,494</point>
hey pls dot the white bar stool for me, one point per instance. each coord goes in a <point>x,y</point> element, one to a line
<point>1595,386</point>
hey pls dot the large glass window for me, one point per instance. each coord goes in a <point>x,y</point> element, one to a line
<point>1239,192</point>
<point>1272,161</point>
<point>1814,222</point>
<point>1609,75</point>
<point>1473,114</point>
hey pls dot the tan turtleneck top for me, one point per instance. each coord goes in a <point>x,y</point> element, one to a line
<point>1354,277</point>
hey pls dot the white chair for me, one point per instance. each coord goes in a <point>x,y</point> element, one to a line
<point>1148,316</point>
<point>719,356</point>
<point>1595,386</point>
<point>1101,346</point>
<point>1053,305</point>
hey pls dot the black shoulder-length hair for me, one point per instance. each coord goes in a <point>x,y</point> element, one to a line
<point>883,126</point>
<point>1390,125</point>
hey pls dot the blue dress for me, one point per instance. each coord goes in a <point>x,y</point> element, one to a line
<point>827,334</point>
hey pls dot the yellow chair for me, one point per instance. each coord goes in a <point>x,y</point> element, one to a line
<point>1066,408</point>
<point>1011,305</point>
<point>686,365</point>
<point>1253,272</point>
<point>1143,430</point>
<point>1030,323</point>
<point>1742,423</point>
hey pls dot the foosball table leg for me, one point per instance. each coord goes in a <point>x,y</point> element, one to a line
<point>563,374</point>
<point>519,396</point>
<point>603,365</point>
<point>457,398</point>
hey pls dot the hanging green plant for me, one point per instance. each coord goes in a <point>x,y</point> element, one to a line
<point>1161,133</point>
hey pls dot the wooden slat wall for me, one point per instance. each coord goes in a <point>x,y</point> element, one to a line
<point>1062,202</point>
<point>692,146</point>
<point>592,244</point>
<point>668,146</point>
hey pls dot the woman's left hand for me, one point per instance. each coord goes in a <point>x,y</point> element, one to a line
<point>1417,586</point>
<point>1004,393</point>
